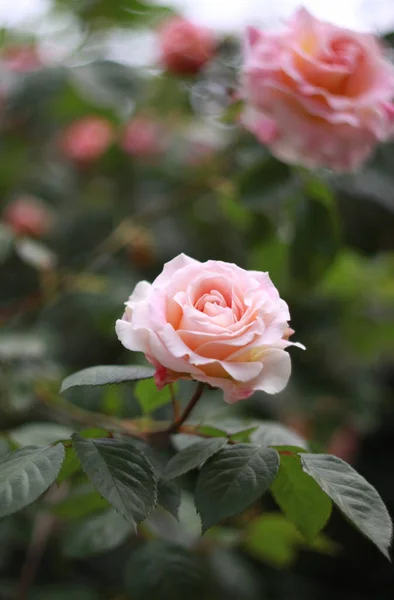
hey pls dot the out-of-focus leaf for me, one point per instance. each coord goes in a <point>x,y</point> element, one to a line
<point>232,480</point>
<point>273,539</point>
<point>355,497</point>
<point>35,254</point>
<point>99,533</point>
<point>26,474</point>
<point>275,434</point>
<point>39,434</point>
<point>300,497</point>
<point>160,570</point>
<point>6,242</point>
<point>149,397</point>
<point>315,242</point>
<point>106,375</point>
<point>100,13</point>
<point>63,592</point>
<point>70,466</point>
<point>82,501</point>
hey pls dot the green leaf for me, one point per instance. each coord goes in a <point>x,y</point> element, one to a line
<point>232,480</point>
<point>169,496</point>
<point>161,570</point>
<point>99,533</point>
<point>39,434</point>
<point>105,375</point>
<point>149,397</point>
<point>275,434</point>
<point>192,457</point>
<point>82,501</point>
<point>70,465</point>
<point>300,498</point>
<point>26,474</point>
<point>276,541</point>
<point>120,473</point>
<point>353,495</point>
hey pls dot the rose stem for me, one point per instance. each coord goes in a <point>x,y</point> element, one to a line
<point>193,401</point>
<point>174,402</point>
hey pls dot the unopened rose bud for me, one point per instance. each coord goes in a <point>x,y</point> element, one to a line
<point>143,138</point>
<point>85,140</point>
<point>185,47</point>
<point>28,216</point>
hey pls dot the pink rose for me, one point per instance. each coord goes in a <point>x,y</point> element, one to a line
<point>143,137</point>
<point>318,95</point>
<point>185,47</point>
<point>87,139</point>
<point>213,322</point>
<point>28,216</point>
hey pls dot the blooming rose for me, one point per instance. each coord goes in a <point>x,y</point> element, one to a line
<point>28,216</point>
<point>185,47</point>
<point>213,322</point>
<point>143,137</point>
<point>87,139</point>
<point>316,94</point>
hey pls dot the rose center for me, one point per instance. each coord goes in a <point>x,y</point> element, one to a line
<point>211,301</point>
<point>344,53</point>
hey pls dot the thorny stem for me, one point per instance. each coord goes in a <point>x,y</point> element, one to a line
<point>175,426</point>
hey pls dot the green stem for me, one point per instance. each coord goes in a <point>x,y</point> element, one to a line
<point>193,401</point>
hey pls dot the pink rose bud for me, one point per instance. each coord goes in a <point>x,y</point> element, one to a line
<point>212,322</point>
<point>87,139</point>
<point>143,137</point>
<point>185,47</point>
<point>21,59</point>
<point>28,216</point>
<point>316,94</point>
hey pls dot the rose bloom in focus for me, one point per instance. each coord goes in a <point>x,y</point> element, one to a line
<point>185,47</point>
<point>28,216</point>
<point>318,95</point>
<point>87,139</point>
<point>143,137</point>
<point>212,322</point>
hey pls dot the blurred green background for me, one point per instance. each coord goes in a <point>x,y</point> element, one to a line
<point>108,169</point>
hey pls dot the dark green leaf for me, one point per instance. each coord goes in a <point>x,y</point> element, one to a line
<point>26,474</point>
<point>169,496</point>
<point>161,570</point>
<point>105,375</point>
<point>275,434</point>
<point>300,498</point>
<point>120,473</point>
<point>192,457</point>
<point>99,533</point>
<point>232,480</point>
<point>353,495</point>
